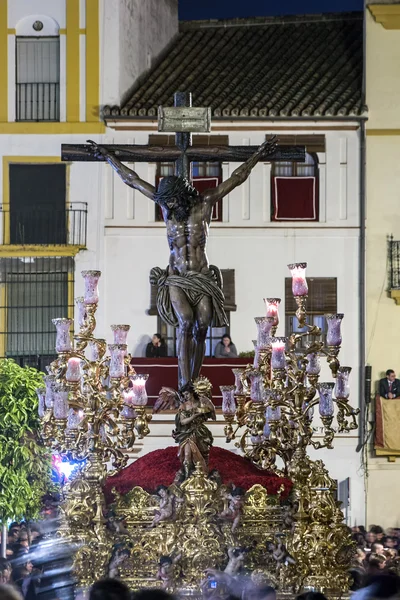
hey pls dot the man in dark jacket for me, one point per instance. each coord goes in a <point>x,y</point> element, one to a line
<point>389,386</point>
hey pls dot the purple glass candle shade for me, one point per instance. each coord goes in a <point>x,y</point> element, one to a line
<point>334,336</point>
<point>91,278</point>
<point>74,419</point>
<point>50,383</point>
<point>63,337</point>
<point>228,399</point>
<point>238,382</point>
<point>80,311</point>
<point>120,333</point>
<point>313,364</point>
<point>117,360</point>
<point>264,326</point>
<point>272,309</point>
<point>342,387</point>
<point>41,394</point>
<point>278,359</point>
<point>60,409</point>
<point>73,374</point>
<point>139,389</point>
<point>299,282</point>
<point>257,387</point>
<point>308,411</point>
<point>325,399</point>
<point>273,414</point>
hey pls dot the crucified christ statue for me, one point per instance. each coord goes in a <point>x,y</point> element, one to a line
<point>190,293</point>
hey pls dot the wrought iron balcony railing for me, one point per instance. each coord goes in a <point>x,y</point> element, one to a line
<point>44,225</point>
<point>38,101</point>
<point>394,263</point>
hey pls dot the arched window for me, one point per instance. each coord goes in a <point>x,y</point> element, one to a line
<point>37,69</point>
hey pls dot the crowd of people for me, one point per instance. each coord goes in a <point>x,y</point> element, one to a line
<point>377,552</point>
<point>32,560</point>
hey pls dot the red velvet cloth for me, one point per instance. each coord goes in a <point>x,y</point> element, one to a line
<point>295,199</point>
<point>160,467</point>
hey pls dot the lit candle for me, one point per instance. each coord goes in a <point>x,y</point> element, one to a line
<point>342,387</point>
<point>278,359</point>
<point>63,338</point>
<point>228,399</point>
<point>325,399</point>
<point>313,364</point>
<point>333,335</point>
<point>81,311</point>
<point>73,373</point>
<point>272,306</point>
<point>117,360</point>
<point>139,389</point>
<point>120,333</point>
<point>91,278</point>
<point>299,282</point>
<point>128,411</point>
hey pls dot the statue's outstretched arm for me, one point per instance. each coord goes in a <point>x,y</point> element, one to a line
<point>240,174</point>
<point>127,175</point>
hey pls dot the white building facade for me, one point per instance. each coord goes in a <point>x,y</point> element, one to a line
<point>103,47</point>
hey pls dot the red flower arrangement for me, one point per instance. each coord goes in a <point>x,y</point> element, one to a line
<point>160,467</point>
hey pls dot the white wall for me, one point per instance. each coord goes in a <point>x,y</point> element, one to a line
<point>133,33</point>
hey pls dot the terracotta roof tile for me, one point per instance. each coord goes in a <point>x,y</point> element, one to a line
<point>274,67</point>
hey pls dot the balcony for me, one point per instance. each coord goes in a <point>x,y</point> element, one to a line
<point>38,101</point>
<point>44,226</point>
<point>394,269</point>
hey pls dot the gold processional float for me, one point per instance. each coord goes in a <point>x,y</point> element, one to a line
<point>94,407</point>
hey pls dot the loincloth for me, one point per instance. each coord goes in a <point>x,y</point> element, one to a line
<point>195,286</point>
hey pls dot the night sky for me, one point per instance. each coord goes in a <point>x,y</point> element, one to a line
<point>228,9</point>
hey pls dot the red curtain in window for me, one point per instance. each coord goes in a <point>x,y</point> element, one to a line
<point>295,199</point>
<point>205,183</point>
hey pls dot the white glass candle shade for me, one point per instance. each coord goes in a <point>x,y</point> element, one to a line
<point>238,381</point>
<point>228,399</point>
<point>50,383</point>
<point>73,374</point>
<point>342,387</point>
<point>299,282</point>
<point>117,360</point>
<point>120,333</point>
<point>272,309</point>
<point>278,359</point>
<point>41,394</point>
<point>325,399</point>
<point>60,408</point>
<point>313,364</point>
<point>91,295</point>
<point>139,389</point>
<point>81,313</point>
<point>333,335</point>
<point>63,337</point>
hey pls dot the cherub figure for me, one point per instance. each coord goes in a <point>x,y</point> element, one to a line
<point>166,571</point>
<point>234,511</point>
<point>280,554</point>
<point>116,524</point>
<point>168,505</point>
<point>120,555</point>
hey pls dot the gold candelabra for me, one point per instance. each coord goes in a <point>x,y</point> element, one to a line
<point>92,408</point>
<point>274,410</point>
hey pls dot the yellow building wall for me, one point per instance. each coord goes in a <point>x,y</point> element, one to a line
<point>383,219</point>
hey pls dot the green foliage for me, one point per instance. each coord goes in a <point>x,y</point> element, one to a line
<point>24,462</point>
<point>248,354</point>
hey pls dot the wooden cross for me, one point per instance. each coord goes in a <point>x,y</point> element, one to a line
<point>183,120</point>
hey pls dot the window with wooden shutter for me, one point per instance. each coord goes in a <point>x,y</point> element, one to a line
<point>294,185</point>
<point>214,334</point>
<point>322,300</point>
<point>204,175</point>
